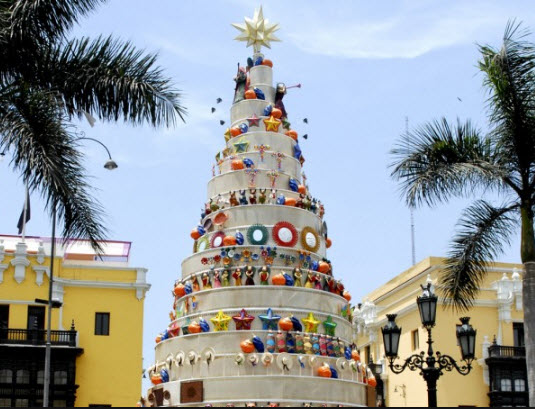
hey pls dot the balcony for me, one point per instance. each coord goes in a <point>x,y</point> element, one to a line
<point>37,337</point>
<point>499,351</point>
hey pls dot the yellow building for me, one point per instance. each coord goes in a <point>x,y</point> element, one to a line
<point>97,331</point>
<point>498,377</point>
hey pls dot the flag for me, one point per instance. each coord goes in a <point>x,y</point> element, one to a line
<point>25,215</point>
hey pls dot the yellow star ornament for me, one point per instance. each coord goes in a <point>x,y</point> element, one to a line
<point>257,31</point>
<point>311,323</point>
<point>227,135</point>
<point>220,322</point>
<point>272,124</point>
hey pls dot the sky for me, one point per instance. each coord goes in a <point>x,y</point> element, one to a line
<point>364,67</point>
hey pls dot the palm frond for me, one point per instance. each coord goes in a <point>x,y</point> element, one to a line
<point>483,231</point>
<point>510,80</point>
<point>46,20</point>
<point>43,150</point>
<point>438,161</point>
<point>112,80</point>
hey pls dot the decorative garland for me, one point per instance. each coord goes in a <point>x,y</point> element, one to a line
<point>281,241</point>
<point>251,232</point>
<point>304,241</point>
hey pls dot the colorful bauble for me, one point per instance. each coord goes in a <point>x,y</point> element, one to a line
<point>302,189</point>
<point>277,113</point>
<point>247,347</point>
<point>267,62</point>
<point>250,94</point>
<point>258,344</point>
<point>268,110</point>
<point>325,371</point>
<point>235,131</point>
<point>286,324</point>
<point>194,328</point>
<point>347,296</point>
<point>259,94</point>
<point>324,267</point>
<point>292,134</point>
<point>328,243</point>
<point>237,164</point>
<point>355,356</point>
<point>195,235</point>
<point>372,381</point>
<point>240,239</point>
<point>180,290</point>
<point>290,201</point>
<point>229,241</point>
<point>244,128</point>
<point>279,280</point>
<point>294,185</point>
<point>156,379</point>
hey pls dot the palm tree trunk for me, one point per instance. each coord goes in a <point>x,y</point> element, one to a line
<point>528,258</point>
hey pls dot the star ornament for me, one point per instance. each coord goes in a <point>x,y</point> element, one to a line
<point>272,124</point>
<point>220,322</point>
<point>243,321</point>
<point>258,32</point>
<point>270,321</point>
<point>311,323</point>
<point>241,146</point>
<point>253,121</point>
<point>330,326</point>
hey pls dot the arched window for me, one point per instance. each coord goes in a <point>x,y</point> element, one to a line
<point>520,385</point>
<point>60,378</point>
<point>6,376</point>
<point>506,385</point>
<point>23,377</point>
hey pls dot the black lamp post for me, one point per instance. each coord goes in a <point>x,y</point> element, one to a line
<point>433,366</point>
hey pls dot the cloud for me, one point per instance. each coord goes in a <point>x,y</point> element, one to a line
<point>407,31</point>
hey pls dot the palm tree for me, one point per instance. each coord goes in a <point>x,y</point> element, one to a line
<point>444,160</point>
<point>47,81</point>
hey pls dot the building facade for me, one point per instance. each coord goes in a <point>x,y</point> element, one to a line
<point>498,377</point>
<point>96,332</point>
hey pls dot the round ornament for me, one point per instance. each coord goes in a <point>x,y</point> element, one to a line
<point>257,235</point>
<point>310,239</point>
<point>229,241</point>
<point>217,240</point>
<point>267,62</point>
<point>203,244</point>
<point>285,234</point>
<point>250,94</point>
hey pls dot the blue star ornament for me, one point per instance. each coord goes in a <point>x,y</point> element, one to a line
<point>270,321</point>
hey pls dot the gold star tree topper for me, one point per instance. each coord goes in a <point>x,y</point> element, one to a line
<point>258,32</point>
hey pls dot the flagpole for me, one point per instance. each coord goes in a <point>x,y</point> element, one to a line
<point>25,211</point>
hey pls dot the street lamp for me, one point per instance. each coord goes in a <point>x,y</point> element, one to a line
<point>432,366</point>
<point>110,165</point>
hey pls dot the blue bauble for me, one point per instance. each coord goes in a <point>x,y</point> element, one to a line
<point>347,353</point>
<point>164,375</point>
<point>188,288</point>
<point>297,324</point>
<point>248,163</point>
<point>289,280</point>
<point>258,344</point>
<point>240,239</point>
<point>268,110</point>
<point>315,266</point>
<point>244,128</point>
<point>204,325</point>
<point>258,61</point>
<point>334,372</point>
<point>201,230</point>
<point>294,185</point>
<point>281,200</point>
<point>259,94</point>
<point>297,152</point>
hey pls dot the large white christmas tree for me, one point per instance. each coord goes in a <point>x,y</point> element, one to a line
<point>258,316</point>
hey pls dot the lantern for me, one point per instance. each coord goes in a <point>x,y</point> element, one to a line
<point>427,304</point>
<point>466,335</point>
<point>391,334</point>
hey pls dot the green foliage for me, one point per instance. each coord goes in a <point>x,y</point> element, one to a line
<point>47,80</point>
<point>439,161</point>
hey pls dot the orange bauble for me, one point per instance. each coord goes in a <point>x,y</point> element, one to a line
<point>229,241</point>
<point>247,346</point>
<point>250,94</point>
<point>355,356</point>
<point>279,280</point>
<point>328,242</point>
<point>302,189</point>
<point>156,379</point>
<point>235,131</point>
<point>290,202</point>
<point>194,328</point>
<point>324,267</point>
<point>286,324</point>
<point>195,235</point>
<point>277,113</point>
<point>158,339</point>
<point>347,296</point>
<point>292,134</point>
<point>180,290</point>
<point>372,382</point>
<point>325,371</point>
<point>267,62</point>
<point>237,165</point>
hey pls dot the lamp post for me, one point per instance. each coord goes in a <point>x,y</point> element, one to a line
<point>110,165</point>
<point>433,366</point>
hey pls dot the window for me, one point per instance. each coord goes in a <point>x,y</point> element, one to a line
<point>4,316</point>
<point>23,377</point>
<point>5,403</point>
<point>102,323</point>
<point>520,385</point>
<point>60,378</point>
<point>22,403</point>
<point>415,337</point>
<point>6,376</point>
<point>36,317</point>
<point>518,333</point>
<point>506,385</point>
<point>40,377</point>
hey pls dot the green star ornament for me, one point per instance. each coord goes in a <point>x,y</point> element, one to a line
<point>330,326</point>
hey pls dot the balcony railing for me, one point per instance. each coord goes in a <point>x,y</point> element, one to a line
<point>37,337</point>
<point>498,351</point>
